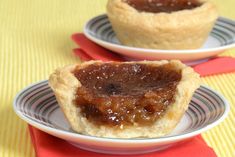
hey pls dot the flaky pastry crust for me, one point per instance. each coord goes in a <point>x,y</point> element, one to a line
<point>185,29</point>
<point>65,84</point>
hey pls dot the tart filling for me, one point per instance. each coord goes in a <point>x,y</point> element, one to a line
<point>125,94</point>
<point>156,6</point>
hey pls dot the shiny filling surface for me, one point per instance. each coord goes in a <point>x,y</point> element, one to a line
<point>156,6</point>
<point>125,94</point>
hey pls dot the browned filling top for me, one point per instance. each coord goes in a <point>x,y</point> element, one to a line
<point>156,6</point>
<point>125,94</point>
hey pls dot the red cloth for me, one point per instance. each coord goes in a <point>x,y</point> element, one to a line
<point>93,50</point>
<point>218,65</point>
<point>47,145</point>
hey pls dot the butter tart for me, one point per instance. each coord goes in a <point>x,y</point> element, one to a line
<point>162,24</point>
<point>124,99</point>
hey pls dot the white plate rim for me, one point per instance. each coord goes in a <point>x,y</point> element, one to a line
<point>119,140</point>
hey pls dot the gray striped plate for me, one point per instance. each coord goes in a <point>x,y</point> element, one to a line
<point>222,37</point>
<point>37,105</point>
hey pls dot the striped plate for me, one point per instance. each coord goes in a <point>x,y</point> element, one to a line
<point>37,105</point>
<point>222,37</point>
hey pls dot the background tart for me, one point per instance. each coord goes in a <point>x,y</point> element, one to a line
<point>100,107</point>
<point>186,28</point>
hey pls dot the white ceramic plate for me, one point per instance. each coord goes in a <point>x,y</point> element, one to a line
<point>37,105</point>
<point>222,37</point>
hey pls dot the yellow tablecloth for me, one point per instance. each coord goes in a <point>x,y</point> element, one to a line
<point>35,39</point>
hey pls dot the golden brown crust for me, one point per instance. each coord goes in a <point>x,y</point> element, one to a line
<point>65,84</point>
<point>185,29</point>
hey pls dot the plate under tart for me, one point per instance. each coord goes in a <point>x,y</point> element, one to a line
<point>221,38</point>
<point>37,105</point>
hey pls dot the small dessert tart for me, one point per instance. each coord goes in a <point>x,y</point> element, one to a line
<point>124,99</point>
<point>162,24</point>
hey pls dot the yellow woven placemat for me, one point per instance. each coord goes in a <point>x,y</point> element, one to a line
<point>35,39</point>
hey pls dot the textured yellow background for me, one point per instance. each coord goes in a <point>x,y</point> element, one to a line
<point>35,39</point>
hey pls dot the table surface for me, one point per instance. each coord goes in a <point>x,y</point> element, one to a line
<point>35,39</point>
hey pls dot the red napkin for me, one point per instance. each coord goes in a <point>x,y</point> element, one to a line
<point>47,145</point>
<point>218,65</point>
<point>89,50</point>
<point>93,50</point>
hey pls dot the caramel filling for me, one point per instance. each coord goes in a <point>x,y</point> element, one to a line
<point>125,94</point>
<point>156,6</point>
